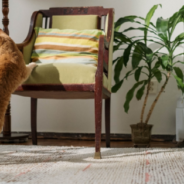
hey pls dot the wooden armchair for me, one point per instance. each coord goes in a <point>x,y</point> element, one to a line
<point>98,87</point>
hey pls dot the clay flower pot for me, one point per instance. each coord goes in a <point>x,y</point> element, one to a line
<point>141,134</point>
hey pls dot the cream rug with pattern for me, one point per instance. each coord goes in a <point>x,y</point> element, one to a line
<point>65,165</point>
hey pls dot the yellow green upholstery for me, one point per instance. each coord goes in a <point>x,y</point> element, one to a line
<point>78,22</point>
<point>64,73</point>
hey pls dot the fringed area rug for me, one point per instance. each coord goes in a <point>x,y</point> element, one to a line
<point>68,165</point>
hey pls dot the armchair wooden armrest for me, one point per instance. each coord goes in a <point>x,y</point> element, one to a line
<point>30,33</point>
<point>20,46</point>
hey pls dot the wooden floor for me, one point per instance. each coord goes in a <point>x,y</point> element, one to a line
<point>114,144</point>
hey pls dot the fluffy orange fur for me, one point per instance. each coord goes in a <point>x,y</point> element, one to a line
<point>13,71</point>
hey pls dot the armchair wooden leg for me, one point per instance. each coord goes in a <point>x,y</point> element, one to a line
<point>33,120</point>
<point>107,121</point>
<point>98,122</point>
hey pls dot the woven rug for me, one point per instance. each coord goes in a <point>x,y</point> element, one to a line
<point>68,165</point>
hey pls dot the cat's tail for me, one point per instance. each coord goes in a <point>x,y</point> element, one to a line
<point>4,101</point>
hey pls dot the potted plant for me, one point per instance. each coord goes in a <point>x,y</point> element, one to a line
<point>147,62</point>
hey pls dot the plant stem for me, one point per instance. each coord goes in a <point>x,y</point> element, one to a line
<point>156,99</point>
<point>145,102</point>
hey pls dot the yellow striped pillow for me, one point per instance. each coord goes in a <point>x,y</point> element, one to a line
<point>66,46</point>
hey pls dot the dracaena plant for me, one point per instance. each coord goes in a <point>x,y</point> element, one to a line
<point>145,61</point>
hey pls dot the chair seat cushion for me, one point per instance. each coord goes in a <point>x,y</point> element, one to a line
<point>64,73</point>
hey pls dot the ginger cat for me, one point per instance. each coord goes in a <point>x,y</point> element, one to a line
<point>13,72</point>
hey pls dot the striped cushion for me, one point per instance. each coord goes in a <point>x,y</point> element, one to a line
<point>66,46</point>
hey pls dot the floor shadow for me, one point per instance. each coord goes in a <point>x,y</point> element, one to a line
<point>40,154</point>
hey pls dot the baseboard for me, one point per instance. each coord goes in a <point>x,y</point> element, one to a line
<point>91,136</point>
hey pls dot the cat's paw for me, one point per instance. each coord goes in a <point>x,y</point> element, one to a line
<point>32,64</point>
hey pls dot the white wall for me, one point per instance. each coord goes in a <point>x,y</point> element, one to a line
<point>78,115</point>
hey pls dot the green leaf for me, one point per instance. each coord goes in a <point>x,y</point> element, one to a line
<point>148,18</point>
<point>172,18</point>
<point>140,29</point>
<point>123,38</point>
<point>127,74</point>
<point>115,60</point>
<point>117,86</point>
<point>116,47</point>
<point>180,83</point>
<point>177,56</point>
<point>165,60</point>
<point>116,28</point>
<point>134,29</point>
<point>130,95</point>
<point>157,64</point>
<point>181,11</point>
<point>160,60</point>
<point>175,19</point>
<point>149,58</point>
<point>117,69</point>
<point>162,27</point>
<point>151,13</point>
<point>116,41</point>
<point>140,92</point>
<point>144,48</point>
<point>157,74</point>
<point>123,20</point>
<point>179,62</point>
<point>136,57</point>
<point>179,38</point>
<point>126,19</point>
<point>178,72</point>
<point>137,74</point>
<point>127,51</point>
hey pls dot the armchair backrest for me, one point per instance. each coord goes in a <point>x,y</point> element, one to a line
<point>75,18</point>
<point>79,18</point>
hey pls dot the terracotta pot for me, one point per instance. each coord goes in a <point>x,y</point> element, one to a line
<point>141,134</point>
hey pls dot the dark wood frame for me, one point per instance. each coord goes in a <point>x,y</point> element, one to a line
<point>59,91</point>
